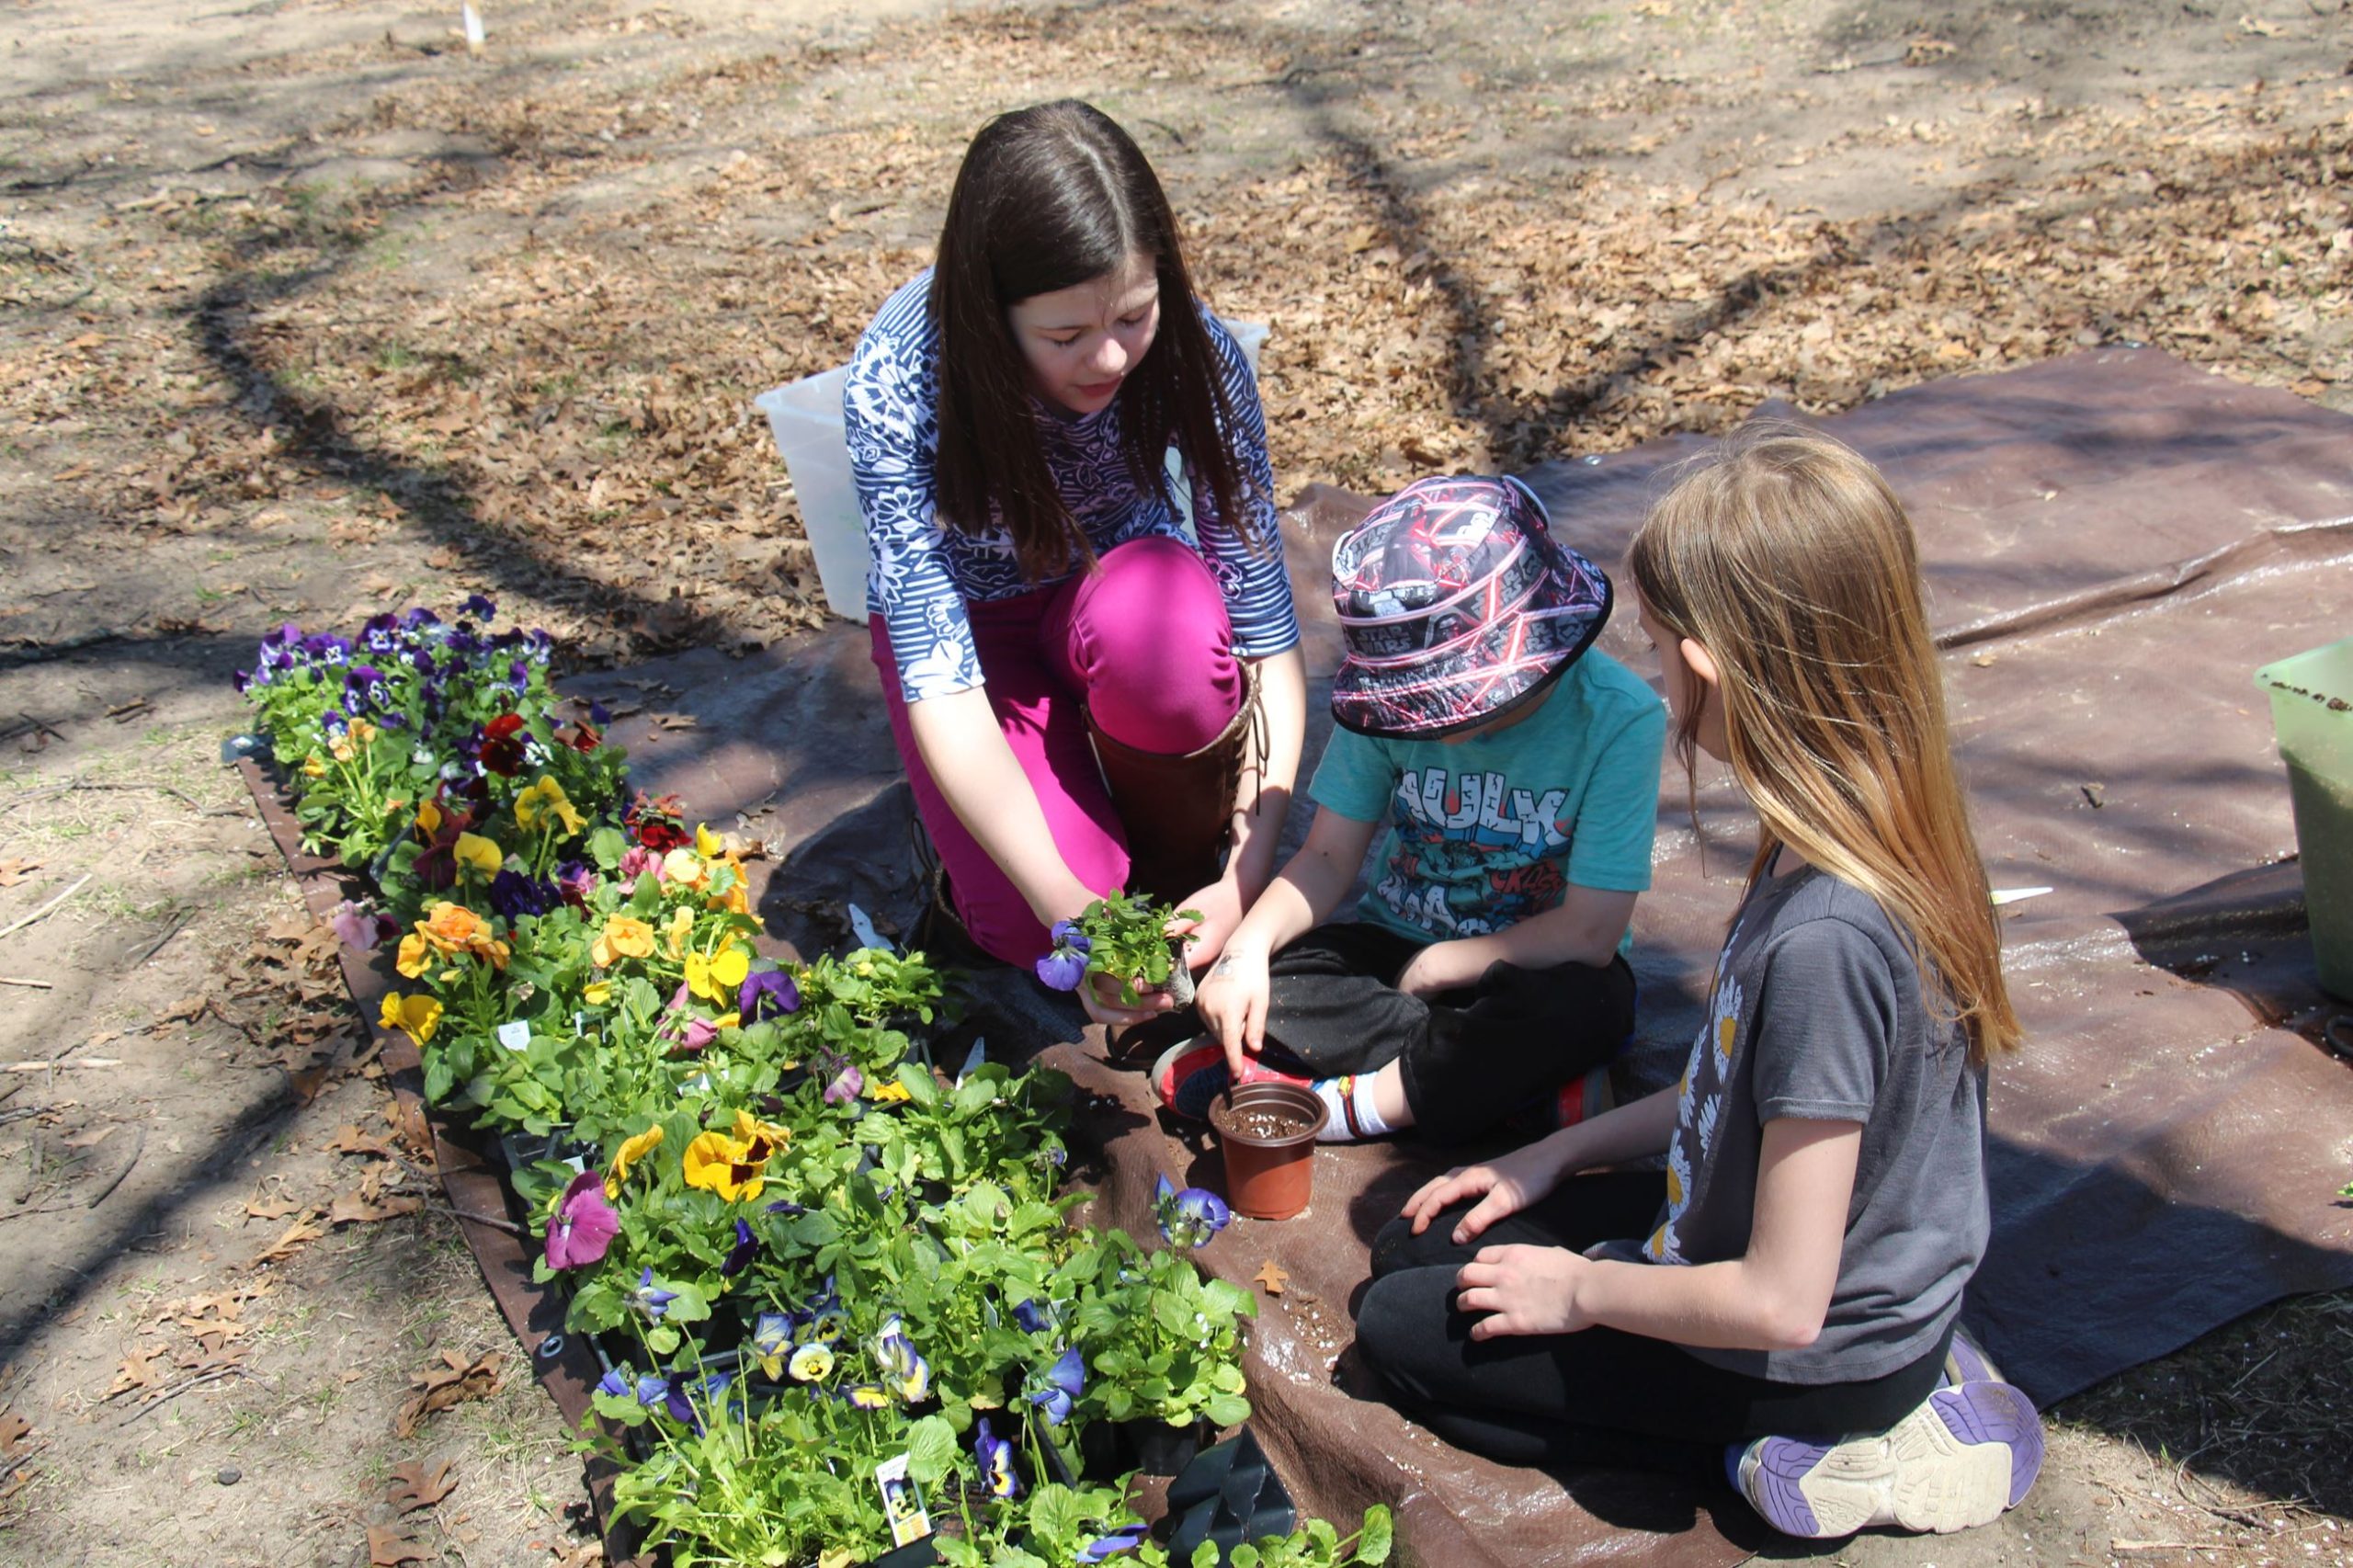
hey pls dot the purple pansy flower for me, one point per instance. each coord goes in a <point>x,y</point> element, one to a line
<point>615,1382</point>
<point>1064,964</point>
<point>847,1085</point>
<point>1062,1385</point>
<point>361,926</point>
<point>767,994</point>
<point>740,1255</point>
<point>1127,1537</point>
<point>583,1225</point>
<point>1032,1317</point>
<point>480,606</point>
<point>1188,1218</point>
<point>513,894</point>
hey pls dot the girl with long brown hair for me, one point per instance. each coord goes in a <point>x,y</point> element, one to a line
<point>1780,1304</point>
<point>1088,695</point>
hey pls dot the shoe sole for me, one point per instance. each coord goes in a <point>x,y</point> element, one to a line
<point>1963,1458</point>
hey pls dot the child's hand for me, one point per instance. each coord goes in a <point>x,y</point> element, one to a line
<point>1232,1000</point>
<point>1444,966</point>
<point>1504,1185</point>
<point>1099,994</point>
<point>1222,907</point>
<point>1523,1289</point>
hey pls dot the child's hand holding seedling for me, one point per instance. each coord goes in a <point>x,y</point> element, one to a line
<point>1125,958</point>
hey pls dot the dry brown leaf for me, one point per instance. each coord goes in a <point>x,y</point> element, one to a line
<point>13,871</point>
<point>455,1381</point>
<point>416,1486</point>
<point>187,1011</point>
<point>13,1429</point>
<point>388,1548</point>
<point>299,1234</point>
<point>1273,1276</point>
<point>140,1371</point>
<point>349,1139</point>
<point>354,1209</point>
<point>273,1208</point>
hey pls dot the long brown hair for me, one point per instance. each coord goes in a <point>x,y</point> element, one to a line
<point>1787,556</point>
<point>1047,198</point>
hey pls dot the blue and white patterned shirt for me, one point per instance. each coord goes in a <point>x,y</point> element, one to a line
<point>921,573</point>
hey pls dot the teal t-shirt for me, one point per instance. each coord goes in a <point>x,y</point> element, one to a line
<point>1486,832</point>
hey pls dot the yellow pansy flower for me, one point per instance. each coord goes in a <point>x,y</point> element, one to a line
<point>416,1017</point>
<point>596,993</point>
<point>363,731</point>
<point>632,1150</point>
<point>891,1093</point>
<point>429,818</point>
<point>543,801</point>
<point>414,956</point>
<point>624,936</point>
<point>478,854</point>
<point>313,767</point>
<point>707,843</point>
<point>685,868</point>
<point>719,1163</point>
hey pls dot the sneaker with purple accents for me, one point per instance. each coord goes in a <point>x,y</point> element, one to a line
<point>1966,1361</point>
<point>1968,1453</point>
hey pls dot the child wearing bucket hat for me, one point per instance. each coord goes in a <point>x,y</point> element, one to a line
<point>1515,769</point>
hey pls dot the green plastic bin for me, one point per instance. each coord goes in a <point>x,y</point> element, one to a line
<point>2311,710</point>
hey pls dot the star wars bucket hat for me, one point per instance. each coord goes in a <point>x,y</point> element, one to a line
<point>1457,603</point>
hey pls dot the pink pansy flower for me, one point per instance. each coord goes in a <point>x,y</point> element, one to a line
<point>583,1225</point>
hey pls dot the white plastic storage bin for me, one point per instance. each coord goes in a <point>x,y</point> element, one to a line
<point>806,419</point>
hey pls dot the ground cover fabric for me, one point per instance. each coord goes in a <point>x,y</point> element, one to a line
<point>2113,542</point>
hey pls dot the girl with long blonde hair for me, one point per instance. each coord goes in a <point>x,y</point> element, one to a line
<point>1781,1302</point>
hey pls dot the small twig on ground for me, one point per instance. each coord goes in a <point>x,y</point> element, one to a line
<point>498,1222</point>
<point>45,1066</point>
<point>179,923</point>
<point>36,984</point>
<point>50,791</point>
<point>45,908</point>
<point>169,1395</point>
<point>107,1191</point>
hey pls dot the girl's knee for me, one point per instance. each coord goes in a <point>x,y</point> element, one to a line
<point>1152,642</point>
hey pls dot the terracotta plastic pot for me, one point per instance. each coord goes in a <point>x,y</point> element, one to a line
<point>1268,1131</point>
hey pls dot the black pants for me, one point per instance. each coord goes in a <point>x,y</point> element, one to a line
<point>1602,1397</point>
<point>1470,1057</point>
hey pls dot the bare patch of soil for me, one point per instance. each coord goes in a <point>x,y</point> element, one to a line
<point>312,313</point>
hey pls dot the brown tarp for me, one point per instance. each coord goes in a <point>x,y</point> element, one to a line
<point>2113,542</point>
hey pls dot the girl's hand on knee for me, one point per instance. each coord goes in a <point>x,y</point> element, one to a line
<point>1439,1193</point>
<point>1504,1185</point>
<point>1523,1289</point>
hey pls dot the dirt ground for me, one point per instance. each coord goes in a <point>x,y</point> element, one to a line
<point>311,311</point>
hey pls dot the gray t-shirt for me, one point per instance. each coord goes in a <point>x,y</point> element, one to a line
<point>1816,1012</point>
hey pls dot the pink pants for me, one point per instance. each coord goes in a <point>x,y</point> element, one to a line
<point>1143,644</point>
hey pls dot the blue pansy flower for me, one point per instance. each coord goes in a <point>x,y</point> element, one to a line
<point>1127,1537</point>
<point>650,1297</point>
<point>740,1255</point>
<point>1064,964</point>
<point>995,1457</point>
<point>1188,1218</point>
<point>1060,1384</point>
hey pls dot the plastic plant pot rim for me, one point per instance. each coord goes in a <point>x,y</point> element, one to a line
<point>1268,1097</point>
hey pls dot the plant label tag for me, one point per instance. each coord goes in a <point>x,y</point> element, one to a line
<point>514,1035</point>
<point>972,1058</point>
<point>902,1504</point>
<point>863,929</point>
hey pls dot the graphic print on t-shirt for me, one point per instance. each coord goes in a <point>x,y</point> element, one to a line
<point>1699,1102</point>
<point>1473,854</point>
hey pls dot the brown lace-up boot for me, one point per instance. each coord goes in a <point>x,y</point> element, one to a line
<point>1178,808</point>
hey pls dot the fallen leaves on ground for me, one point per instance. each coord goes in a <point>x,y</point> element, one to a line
<point>453,1381</point>
<point>368,1202</point>
<point>421,1484</point>
<point>1273,1276</point>
<point>16,869</point>
<point>390,1548</point>
<point>298,1235</point>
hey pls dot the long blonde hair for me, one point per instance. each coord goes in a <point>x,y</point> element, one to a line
<point>1787,556</point>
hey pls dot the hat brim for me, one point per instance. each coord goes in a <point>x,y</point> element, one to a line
<point>1487,682</point>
